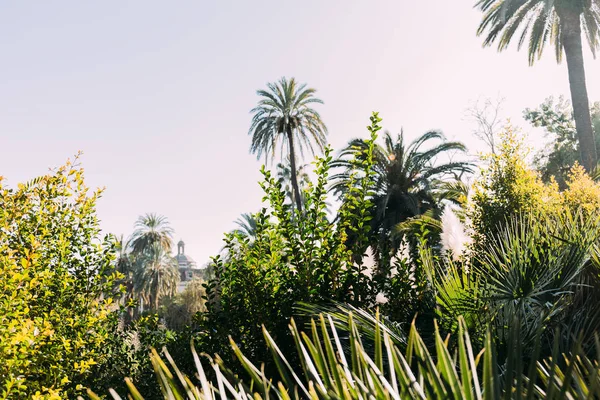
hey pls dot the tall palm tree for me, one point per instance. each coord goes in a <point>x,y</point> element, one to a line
<point>156,275</point>
<point>284,116</point>
<point>407,180</point>
<point>151,229</point>
<point>560,22</point>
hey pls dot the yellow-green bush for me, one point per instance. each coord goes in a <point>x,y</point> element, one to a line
<point>55,273</point>
<point>582,193</point>
<point>508,186</point>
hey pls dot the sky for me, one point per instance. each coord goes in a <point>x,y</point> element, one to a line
<point>157,94</point>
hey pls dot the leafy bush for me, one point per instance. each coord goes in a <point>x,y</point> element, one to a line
<point>290,259</point>
<point>581,193</point>
<point>56,279</point>
<point>129,346</point>
<point>507,186</point>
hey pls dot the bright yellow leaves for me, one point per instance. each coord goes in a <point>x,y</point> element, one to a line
<point>508,186</point>
<point>55,271</point>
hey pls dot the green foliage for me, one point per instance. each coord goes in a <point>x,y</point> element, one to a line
<point>179,310</point>
<point>286,107</point>
<point>542,20</point>
<point>582,193</point>
<point>531,271</point>
<point>57,276</point>
<point>529,285</point>
<point>407,183</point>
<point>129,346</point>
<point>246,226</point>
<point>284,175</point>
<point>506,187</point>
<point>291,260</point>
<point>285,115</point>
<point>335,367</point>
<point>151,229</point>
<point>150,273</point>
<point>532,259</point>
<point>156,275</point>
<point>562,153</point>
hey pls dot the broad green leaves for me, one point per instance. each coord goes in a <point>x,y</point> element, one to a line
<point>291,257</point>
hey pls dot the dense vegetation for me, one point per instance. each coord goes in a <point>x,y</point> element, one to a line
<point>390,269</point>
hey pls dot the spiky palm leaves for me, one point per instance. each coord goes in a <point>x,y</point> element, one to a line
<point>543,20</point>
<point>284,116</point>
<point>246,226</point>
<point>559,22</point>
<point>537,271</point>
<point>336,365</point>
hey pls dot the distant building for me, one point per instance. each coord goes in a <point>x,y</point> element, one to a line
<point>187,267</point>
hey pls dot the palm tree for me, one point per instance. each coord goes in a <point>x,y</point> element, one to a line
<point>151,229</point>
<point>156,275</point>
<point>407,180</point>
<point>561,22</point>
<point>284,116</point>
<point>247,225</point>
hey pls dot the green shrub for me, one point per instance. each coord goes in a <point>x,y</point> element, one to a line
<point>507,187</point>
<point>56,276</point>
<point>290,259</point>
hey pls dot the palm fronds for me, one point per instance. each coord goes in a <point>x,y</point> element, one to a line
<point>150,229</point>
<point>534,270</point>
<point>156,275</point>
<point>284,116</point>
<point>328,371</point>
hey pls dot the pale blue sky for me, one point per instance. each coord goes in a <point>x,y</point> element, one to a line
<point>157,94</point>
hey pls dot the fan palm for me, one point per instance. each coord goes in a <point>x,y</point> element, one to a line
<point>560,22</point>
<point>151,229</point>
<point>537,270</point>
<point>156,275</point>
<point>284,116</point>
<point>406,177</point>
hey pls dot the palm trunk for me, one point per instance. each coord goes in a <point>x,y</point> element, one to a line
<point>571,38</point>
<point>155,295</point>
<point>295,187</point>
